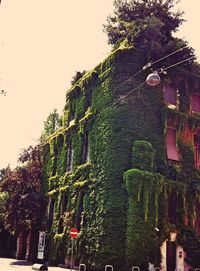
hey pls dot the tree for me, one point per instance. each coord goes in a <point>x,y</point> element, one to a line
<point>142,21</point>
<point>3,92</point>
<point>148,25</point>
<point>3,172</point>
<point>3,199</point>
<point>24,204</point>
<point>52,123</point>
<point>77,76</point>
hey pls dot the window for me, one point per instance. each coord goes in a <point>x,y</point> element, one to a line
<point>79,211</point>
<point>197,150</point>
<point>71,118</point>
<point>172,152</point>
<point>51,212</point>
<point>63,209</point>
<point>171,256</point>
<point>170,96</point>
<point>198,217</point>
<point>172,204</point>
<point>64,203</point>
<point>85,148</point>
<point>197,156</point>
<point>195,103</point>
<point>69,157</point>
<point>89,98</point>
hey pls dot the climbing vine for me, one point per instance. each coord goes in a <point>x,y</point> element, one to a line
<point>113,213</point>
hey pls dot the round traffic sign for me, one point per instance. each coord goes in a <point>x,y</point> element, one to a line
<point>73,233</point>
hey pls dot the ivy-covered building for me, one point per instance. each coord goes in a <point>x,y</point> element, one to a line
<point>124,168</point>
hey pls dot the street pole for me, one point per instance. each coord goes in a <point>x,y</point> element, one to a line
<point>73,233</point>
<point>72,253</point>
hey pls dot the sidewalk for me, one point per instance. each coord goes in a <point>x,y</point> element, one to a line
<point>22,265</point>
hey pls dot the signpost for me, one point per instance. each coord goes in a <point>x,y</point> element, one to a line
<point>41,245</point>
<point>73,233</point>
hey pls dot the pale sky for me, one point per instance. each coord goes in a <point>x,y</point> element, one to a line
<point>42,44</point>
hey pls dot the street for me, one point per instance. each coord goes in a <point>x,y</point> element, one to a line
<point>7,264</point>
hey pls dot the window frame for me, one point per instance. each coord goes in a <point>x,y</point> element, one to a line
<point>168,151</point>
<point>191,103</point>
<point>168,97</point>
<point>70,155</point>
<point>196,147</point>
<point>86,152</point>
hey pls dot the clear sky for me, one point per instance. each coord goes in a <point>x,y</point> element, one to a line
<point>42,44</point>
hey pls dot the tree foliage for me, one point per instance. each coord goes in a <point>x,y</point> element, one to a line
<point>52,123</point>
<point>23,187</point>
<point>77,76</point>
<point>3,172</point>
<point>3,199</point>
<point>142,21</point>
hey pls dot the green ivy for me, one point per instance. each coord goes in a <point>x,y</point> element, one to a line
<point>119,217</point>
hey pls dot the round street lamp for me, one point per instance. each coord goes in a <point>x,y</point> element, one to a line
<point>153,79</point>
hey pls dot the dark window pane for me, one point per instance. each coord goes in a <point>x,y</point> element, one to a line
<point>85,148</point>
<point>172,152</point>
<point>170,95</point>
<point>51,212</point>
<point>171,256</point>
<point>197,150</point>
<point>195,103</point>
<point>69,157</point>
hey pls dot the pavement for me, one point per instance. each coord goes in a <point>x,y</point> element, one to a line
<point>8,264</point>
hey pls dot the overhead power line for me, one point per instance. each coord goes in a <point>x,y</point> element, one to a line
<point>150,64</point>
<point>133,90</point>
<point>160,59</point>
<point>173,65</point>
<point>161,71</point>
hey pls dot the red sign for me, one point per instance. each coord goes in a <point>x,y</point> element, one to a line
<point>73,233</point>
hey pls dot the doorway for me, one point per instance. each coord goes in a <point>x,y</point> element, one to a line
<point>171,256</point>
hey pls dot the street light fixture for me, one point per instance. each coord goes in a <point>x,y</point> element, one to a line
<point>173,236</point>
<point>153,79</point>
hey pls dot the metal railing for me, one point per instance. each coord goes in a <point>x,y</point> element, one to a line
<point>108,266</point>
<point>82,267</point>
<point>135,268</point>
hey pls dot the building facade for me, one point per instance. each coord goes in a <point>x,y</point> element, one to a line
<point>124,168</point>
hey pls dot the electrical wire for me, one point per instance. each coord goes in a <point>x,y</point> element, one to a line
<point>181,71</point>
<point>148,65</point>
<point>161,71</point>
<point>180,49</point>
<point>129,79</point>
<point>173,65</point>
<point>121,98</point>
